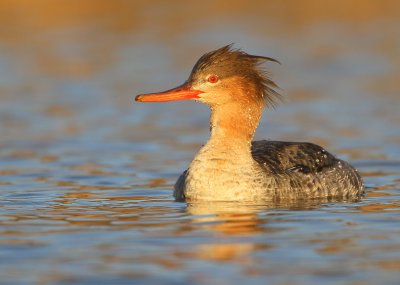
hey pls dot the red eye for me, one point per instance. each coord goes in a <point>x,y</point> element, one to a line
<point>212,78</point>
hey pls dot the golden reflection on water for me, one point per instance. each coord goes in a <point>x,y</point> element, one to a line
<point>240,219</point>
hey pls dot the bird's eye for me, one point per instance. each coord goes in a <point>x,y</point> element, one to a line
<point>212,78</point>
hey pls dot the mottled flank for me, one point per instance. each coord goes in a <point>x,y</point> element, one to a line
<point>307,170</point>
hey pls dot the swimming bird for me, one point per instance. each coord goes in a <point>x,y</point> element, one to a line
<point>232,167</point>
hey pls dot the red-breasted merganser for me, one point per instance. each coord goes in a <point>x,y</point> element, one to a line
<point>230,167</point>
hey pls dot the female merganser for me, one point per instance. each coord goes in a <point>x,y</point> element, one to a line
<point>230,167</point>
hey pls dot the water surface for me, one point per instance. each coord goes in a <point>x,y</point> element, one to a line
<point>86,174</point>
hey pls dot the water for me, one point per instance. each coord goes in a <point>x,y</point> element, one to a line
<point>86,174</point>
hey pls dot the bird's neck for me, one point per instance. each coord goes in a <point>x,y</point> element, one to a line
<point>233,126</point>
<point>232,129</point>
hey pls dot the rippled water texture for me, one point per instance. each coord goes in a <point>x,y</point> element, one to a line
<point>86,174</point>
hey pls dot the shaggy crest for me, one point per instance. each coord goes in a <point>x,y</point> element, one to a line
<point>227,61</point>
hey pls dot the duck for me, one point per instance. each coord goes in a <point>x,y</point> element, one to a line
<point>233,167</point>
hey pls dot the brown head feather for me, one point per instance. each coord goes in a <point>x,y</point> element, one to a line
<point>227,62</point>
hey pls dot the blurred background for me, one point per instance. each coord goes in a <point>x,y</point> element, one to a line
<point>86,173</point>
<point>70,69</point>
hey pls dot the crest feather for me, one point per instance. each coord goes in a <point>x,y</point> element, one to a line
<point>231,61</point>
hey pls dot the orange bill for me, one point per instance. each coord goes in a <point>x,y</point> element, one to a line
<point>180,93</point>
